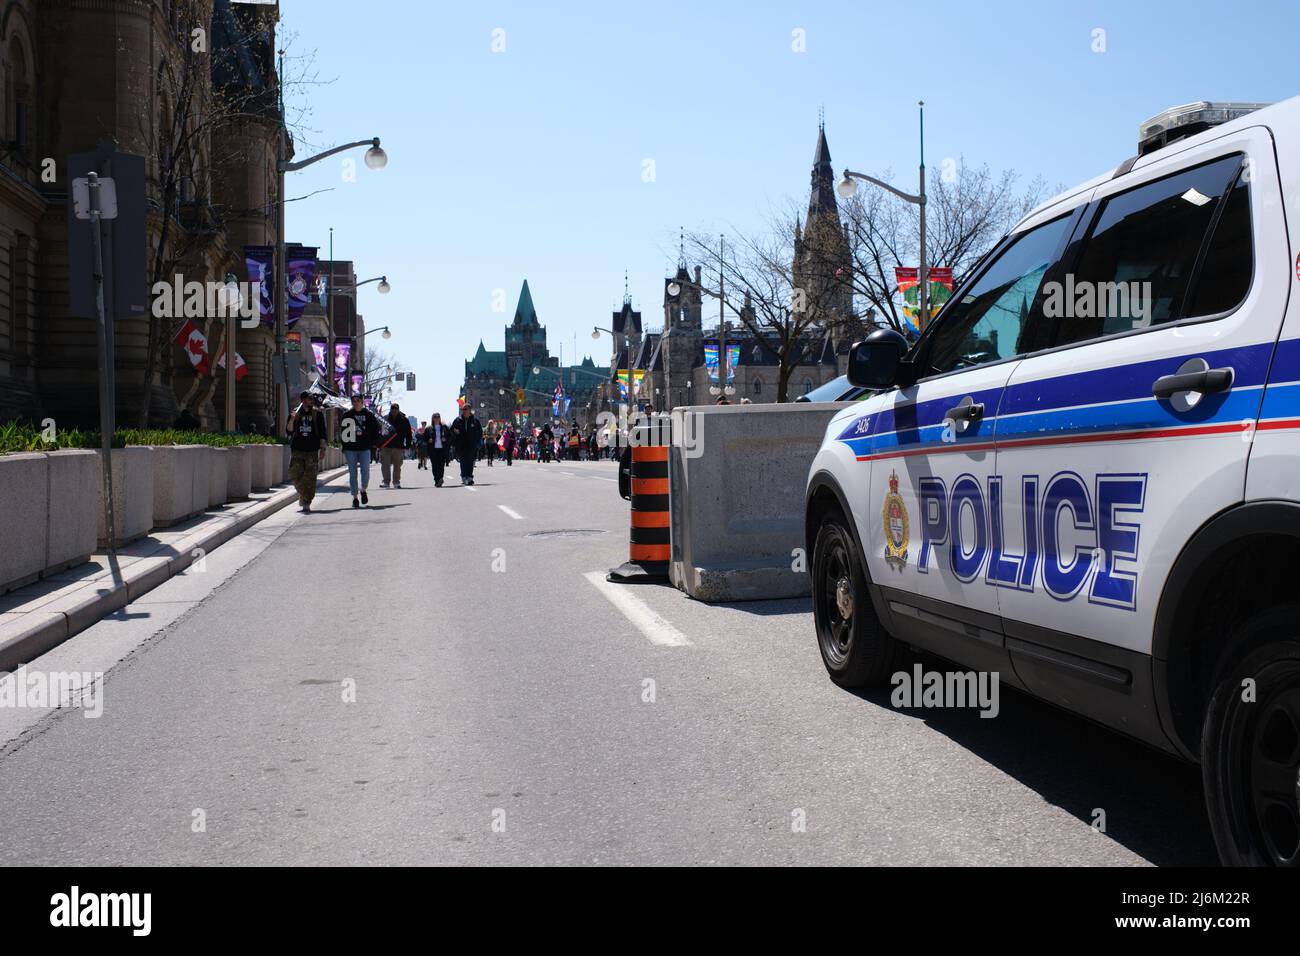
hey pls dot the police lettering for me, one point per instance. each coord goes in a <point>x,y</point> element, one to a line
<point>1076,538</point>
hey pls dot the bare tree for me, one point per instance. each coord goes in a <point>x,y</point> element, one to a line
<point>786,307</point>
<point>202,135</point>
<point>968,210</point>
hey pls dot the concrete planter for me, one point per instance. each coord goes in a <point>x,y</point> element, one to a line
<point>285,456</point>
<point>218,469</point>
<point>132,496</point>
<point>174,479</point>
<point>239,473</point>
<point>262,466</point>
<point>199,487</point>
<point>75,477</point>
<point>24,532</point>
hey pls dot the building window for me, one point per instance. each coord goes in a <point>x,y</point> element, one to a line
<point>18,94</point>
<point>758,386</point>
<point>807,383</point>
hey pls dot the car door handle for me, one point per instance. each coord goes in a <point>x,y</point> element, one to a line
<point>1205,382</point>
<point>965,413</point>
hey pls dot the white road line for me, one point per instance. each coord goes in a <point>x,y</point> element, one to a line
<point>654,627</point>
<point>511,512</point>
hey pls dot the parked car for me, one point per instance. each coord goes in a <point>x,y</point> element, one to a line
<point>836,390</point>
<point>1085,474</point>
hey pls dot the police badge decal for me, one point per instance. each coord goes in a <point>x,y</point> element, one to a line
<point>893,519</point>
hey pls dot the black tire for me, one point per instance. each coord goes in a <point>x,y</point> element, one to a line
<point>855,648</point>
<point>1250,750</point>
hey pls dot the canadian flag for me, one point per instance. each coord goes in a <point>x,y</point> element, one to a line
<point>241,368</point>
<point>195,345</point>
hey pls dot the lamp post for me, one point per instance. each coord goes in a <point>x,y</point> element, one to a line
<point>847,187</point>
<point>675,288</point>
<point>375,158</point>
<point>384,289</point>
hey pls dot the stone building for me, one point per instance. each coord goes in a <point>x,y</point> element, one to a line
<point>136,74</point>
<point>522,378</point>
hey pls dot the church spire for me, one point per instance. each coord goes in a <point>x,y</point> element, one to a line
<point>822,197</point>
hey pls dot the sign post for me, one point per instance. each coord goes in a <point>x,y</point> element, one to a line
<point>101,203</point>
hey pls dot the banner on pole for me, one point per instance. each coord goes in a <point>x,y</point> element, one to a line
<point>909,287</point>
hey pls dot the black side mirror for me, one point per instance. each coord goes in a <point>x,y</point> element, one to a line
<point>878,361</point>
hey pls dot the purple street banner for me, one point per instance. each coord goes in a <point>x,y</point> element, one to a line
<point>300,263</point>
<point>342,358</point>
<point>358,379</point>
<point>318,347</point>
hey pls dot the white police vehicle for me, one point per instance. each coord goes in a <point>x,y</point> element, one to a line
<point>1085,474</point>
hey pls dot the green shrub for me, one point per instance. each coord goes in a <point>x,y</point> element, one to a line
<point>19,437</point>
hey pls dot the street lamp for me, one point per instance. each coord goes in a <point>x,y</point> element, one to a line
<point>847,187</point>
<point>675,288</point>
<point>375,158</point>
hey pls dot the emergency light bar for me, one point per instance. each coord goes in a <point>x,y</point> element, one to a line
<point>1179,122</point>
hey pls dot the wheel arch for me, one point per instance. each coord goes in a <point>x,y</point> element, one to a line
<point>1230,570</point>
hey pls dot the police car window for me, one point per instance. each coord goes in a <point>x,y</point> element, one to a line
<point>1134,269</point>
<point>1224,278</point>
<point>985,325</point>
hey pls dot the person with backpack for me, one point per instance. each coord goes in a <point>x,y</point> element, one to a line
<point>358,431</point>
<point>393,447</point>
<point>306,429</point>
<point>466,435</point>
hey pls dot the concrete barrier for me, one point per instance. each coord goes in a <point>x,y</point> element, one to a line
<point>736,485</point>
<point>173,483</point>
<point>24,530</point>
<point>75,476</point>
<point>132,495</point>
<point>218,470</point>
<point>200,486</point>
<point>262,469</point>
<point>239,472</point>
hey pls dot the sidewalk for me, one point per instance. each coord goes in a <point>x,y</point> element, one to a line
<point>44,614</point>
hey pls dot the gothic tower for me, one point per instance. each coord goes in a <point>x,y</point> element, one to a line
<point>822,267</point>
<point>683,335</point>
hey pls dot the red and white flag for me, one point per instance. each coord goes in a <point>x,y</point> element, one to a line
<point>195,345</point>
<point>241,368</point>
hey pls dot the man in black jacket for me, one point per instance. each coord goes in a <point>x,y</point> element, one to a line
<point>359,431</point>
<point>392,448</point>
<point>467,434</point>
<point>306,429</point>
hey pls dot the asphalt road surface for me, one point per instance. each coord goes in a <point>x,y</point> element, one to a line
<point>511,707</point>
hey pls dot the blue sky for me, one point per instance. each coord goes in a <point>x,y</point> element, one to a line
<point>528,163</point>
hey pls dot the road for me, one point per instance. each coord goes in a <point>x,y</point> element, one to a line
<point>510,707</point>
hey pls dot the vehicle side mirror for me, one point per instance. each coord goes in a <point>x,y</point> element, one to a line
<point>879,361</point>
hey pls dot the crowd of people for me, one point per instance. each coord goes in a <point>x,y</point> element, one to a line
<point>391,439</point>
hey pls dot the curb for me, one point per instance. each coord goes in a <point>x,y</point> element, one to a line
<point>36,632</point>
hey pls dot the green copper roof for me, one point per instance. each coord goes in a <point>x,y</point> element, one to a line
<point>485,361</point>
<point>525,314</point>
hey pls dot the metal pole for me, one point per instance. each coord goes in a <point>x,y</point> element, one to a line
<point>280,277</point>
<point>106,424</point>
<point>722,322</point>
<point>924,270</point>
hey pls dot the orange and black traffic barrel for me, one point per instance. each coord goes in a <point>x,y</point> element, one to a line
<point>650,545</point>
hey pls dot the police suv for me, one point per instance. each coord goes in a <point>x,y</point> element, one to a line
<point>1085,473</point>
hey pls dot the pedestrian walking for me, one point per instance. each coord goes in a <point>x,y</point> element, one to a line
<point>490,444</point>
<point>439,447</point>
<point>575,442</point>
<point>422,446</point>
<point>359,432</point>
<point>306,429</point>
<point>392,449</point>
<point>466,435</point>
<point>508,445</point>
<point>546,441</point>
